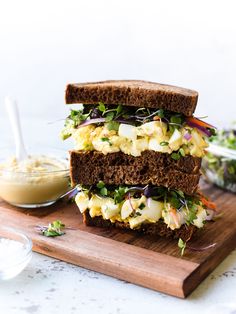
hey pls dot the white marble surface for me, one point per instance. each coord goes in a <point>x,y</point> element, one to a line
<point>50,286</point>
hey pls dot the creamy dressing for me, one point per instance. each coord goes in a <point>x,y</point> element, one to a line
<point>36,180</point>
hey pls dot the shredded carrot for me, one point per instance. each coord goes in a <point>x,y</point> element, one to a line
<point>175,216</point>
<point>205,201</point>
<point>199,122</point>
<point>208,203</point>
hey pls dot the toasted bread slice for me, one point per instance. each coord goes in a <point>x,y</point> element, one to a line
<point>134,93</point>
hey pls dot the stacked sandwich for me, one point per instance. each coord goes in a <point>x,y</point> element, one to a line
<point>137,156</point>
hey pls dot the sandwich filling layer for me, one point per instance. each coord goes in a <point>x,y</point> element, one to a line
<point>132,132</point>
<point>140,205</point>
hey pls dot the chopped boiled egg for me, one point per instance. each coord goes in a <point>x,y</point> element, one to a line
<point>153,128</point>
<point>105,145</point>
<point>95,204</point>
<point>134,140</point>
<point>136,211</point>
<point>110,209</point>
<point>138,146</point>
<point>201,217</point>
<point>127,209</point>
<point>175,140</point>
<point>83,137</point>
<point>154,144</point>
<point>152,210</point>
<point>128,131</point>
<point>198,139</point>
<point>131,205</point>
<point>171,217</point>
<point>136,221</point>
<point>82,201</point>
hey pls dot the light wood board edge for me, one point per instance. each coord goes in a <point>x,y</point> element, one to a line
<point>204,269</point>
<point>124,261</point>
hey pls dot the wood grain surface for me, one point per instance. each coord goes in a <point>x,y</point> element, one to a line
<point>144,260</point>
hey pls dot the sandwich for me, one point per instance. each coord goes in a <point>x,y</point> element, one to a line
<point>137,156</point>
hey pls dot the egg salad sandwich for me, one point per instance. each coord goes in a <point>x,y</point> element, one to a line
<point>137,156</point>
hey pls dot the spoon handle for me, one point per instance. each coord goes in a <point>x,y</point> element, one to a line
<point>13,113</point>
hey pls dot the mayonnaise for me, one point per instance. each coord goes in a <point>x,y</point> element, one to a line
<point>39,180</point>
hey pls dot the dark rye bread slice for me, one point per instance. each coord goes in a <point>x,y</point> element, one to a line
<point>90,167</point>
<point>155,229</point>
<point>134,93</point>
<point>150,158</point>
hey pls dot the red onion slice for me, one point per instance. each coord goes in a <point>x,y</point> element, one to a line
<point>200,249</point>
<point>135,189</point>
<point>91,121</point>
<point>210,214</point>
<point>200,128</point>
<point>130,203</point>
<point>187,136</point>
<point>148,202</point>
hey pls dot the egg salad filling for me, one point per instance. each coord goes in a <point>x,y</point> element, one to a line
<point>140,205</point>
<point>132,131</point>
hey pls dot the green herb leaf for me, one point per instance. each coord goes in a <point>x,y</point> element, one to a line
<point>192,211</point>
<point>160,113</point>
<point>75,118</point>
<point>103,191</point>
<point>101,107</point>
<point>182,152</point>
<point>110,116</point>
<point>180,193</point>
<point>54,229</point>
<point>119,194</point>
<point>171,128</point>
<point>119,109</point>
<point>113,125</point>
<point>175,202</point>
<point>182,246</point>
<point>175,156</point>
<point>176,119</point>
<point>142,206</point>
<point>213,131</point>
<point>65,134</point>
<point>106,139</point>
<point>100,185</point>
<point>164,143</point>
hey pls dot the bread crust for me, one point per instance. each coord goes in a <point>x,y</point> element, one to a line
<point>134,93</point>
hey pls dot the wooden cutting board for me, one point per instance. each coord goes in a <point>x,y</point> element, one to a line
<point>144,260</point>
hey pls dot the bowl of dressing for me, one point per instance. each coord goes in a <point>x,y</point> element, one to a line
<point>15,252</point>
<point>37,181</point>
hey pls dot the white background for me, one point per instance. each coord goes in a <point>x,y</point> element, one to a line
<point>46,44</point>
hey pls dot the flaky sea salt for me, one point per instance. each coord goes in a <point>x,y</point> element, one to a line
<point>11,252</point>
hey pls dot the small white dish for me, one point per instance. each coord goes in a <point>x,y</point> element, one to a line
<point>15,252</point>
